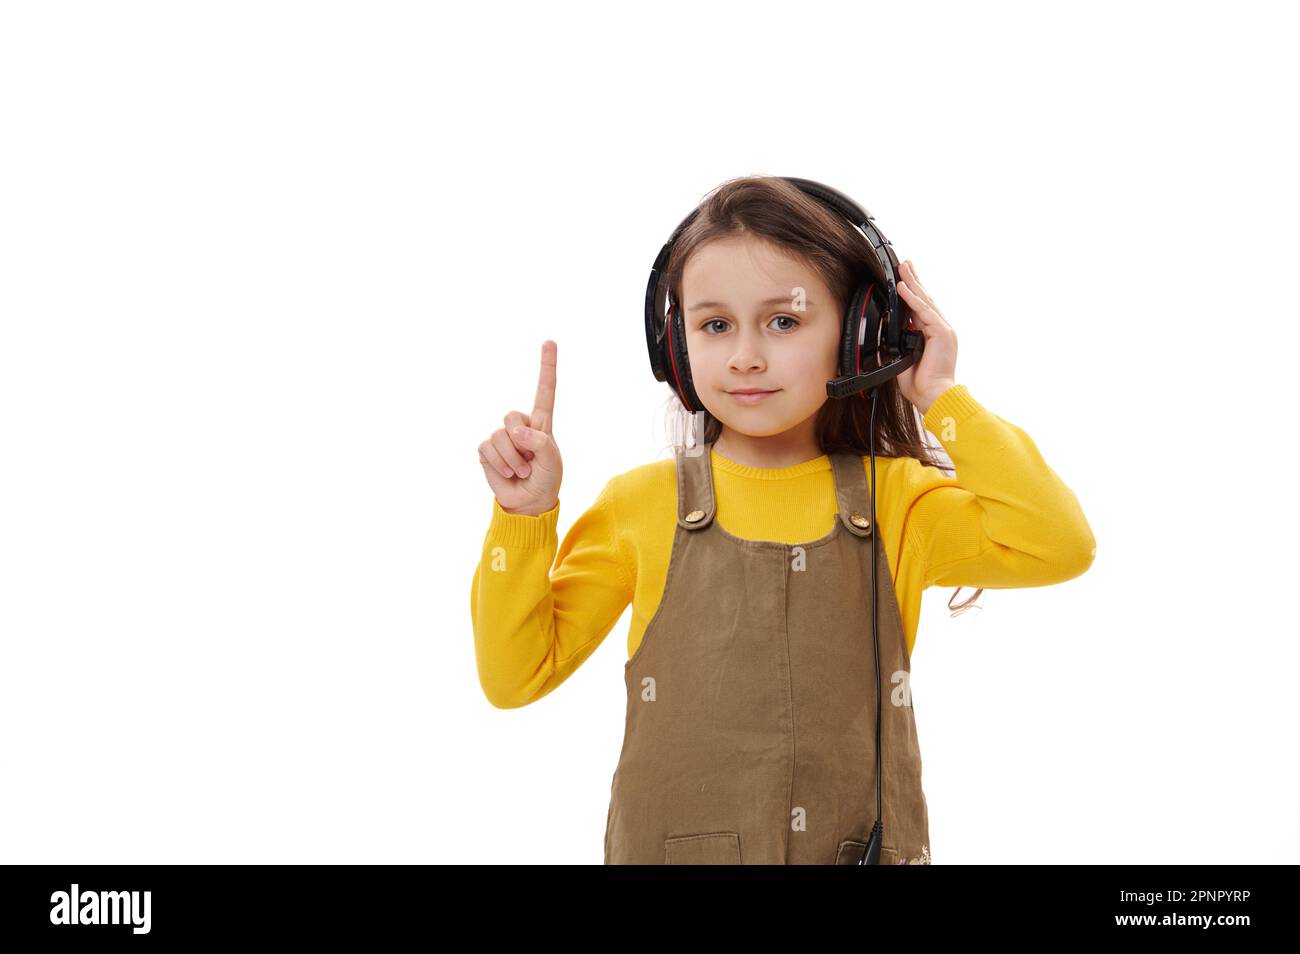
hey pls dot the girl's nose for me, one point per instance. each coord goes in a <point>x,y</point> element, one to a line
<point>748,362</point>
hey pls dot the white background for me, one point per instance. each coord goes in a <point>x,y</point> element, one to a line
<point>270,272</point>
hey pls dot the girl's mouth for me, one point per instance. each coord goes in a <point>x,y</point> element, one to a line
<point>751,397</point>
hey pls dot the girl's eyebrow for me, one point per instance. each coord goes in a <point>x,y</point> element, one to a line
<point>778,300</point>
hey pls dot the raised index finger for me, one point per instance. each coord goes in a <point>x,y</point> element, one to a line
<point>544,403</point>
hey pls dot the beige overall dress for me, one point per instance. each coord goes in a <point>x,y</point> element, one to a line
<point>750,734</point>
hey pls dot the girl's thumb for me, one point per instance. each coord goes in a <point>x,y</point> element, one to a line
<point>539,442</point>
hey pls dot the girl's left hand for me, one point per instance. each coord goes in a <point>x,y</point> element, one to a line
<point>935,372</point>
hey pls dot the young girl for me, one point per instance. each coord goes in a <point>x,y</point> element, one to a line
<point>755,730</point>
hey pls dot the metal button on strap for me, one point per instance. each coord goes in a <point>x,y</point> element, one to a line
<point>857,519</point>
<point>695,516</point>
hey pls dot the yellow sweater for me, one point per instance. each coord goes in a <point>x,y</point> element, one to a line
<point>1007,521</point>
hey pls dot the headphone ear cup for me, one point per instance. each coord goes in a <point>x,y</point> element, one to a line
<point>858,337</point>
<point>679,362</point>
<point>655,326</point>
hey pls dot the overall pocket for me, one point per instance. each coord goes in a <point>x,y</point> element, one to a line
<point>714,848</point>
<point>850,853</point>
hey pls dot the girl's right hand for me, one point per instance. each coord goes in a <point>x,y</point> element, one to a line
<point>524,469</point>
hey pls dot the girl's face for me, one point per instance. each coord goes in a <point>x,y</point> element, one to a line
<point>758,318</point>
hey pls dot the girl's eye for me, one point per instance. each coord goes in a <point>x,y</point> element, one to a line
<point>714,321</point>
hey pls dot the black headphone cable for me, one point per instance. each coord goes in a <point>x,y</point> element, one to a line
<point>871,854</point>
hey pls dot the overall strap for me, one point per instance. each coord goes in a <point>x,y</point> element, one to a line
<point>695,501</point>
<point>851,493</point>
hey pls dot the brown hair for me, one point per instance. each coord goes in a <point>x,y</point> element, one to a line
<point>780,212</point>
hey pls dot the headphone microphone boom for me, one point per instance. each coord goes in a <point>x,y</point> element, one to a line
<point>875,347</point>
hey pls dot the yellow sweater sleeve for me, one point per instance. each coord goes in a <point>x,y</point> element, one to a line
<point>1010,522</point>
<point>534,626</point>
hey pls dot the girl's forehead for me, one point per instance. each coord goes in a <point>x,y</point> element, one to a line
<point>746,267</point>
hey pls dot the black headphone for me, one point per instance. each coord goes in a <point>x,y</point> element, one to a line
<point>875,337</point>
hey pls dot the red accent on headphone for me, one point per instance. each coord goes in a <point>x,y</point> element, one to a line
<point>672,356</point>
